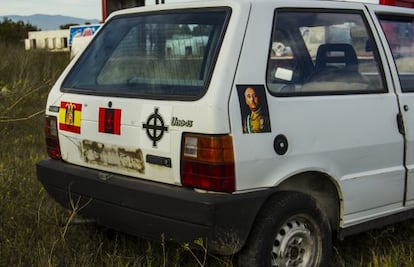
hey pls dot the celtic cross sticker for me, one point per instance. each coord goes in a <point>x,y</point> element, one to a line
<point>155,127</point>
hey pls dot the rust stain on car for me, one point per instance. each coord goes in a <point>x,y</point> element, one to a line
<point>112,156</point>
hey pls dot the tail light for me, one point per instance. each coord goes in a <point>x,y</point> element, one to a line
<point>208,162</point>
<point>52,138</point>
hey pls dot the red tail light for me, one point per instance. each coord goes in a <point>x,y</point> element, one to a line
<point>208,162</point>
<point>52,138</point>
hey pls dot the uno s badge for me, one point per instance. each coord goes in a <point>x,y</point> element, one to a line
<point>70,115</point>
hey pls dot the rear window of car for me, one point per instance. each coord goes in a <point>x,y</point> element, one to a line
<point>151,55</point>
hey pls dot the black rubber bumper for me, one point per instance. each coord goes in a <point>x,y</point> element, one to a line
<point>154,210</point>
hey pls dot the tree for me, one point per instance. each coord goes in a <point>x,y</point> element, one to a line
<point>202,30</point>
<point>12,32</point>
<point>67,26</point>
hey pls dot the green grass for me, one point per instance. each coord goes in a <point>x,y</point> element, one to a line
<point>34,230</point>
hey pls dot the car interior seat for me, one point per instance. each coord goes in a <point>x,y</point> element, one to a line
<point>336,63</point>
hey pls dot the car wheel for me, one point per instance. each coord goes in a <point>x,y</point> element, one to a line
<point>290,230</point>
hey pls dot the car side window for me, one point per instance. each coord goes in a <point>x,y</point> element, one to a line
<point>400,37</point>
<point>319,52</point>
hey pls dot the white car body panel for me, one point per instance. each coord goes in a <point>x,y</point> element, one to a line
<point>353,139</point>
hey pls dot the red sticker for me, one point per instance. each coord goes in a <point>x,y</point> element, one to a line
<point>110,121</point>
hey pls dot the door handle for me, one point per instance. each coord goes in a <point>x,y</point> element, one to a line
<point>400,123</point>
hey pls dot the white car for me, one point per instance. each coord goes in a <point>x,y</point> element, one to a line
<point>262,154</point>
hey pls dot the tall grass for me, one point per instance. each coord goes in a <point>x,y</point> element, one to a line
<point>35,231</point>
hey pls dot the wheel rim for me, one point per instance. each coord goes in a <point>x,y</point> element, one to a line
<point>297,243</point>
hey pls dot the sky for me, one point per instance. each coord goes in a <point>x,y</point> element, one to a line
<point>86,9</point>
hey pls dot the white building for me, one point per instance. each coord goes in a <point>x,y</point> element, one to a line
<point>56,40</point>
<point>184,45</point>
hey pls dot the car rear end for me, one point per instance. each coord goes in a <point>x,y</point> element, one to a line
<point>137,128</point>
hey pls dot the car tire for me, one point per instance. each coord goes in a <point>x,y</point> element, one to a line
<point>290,230</point>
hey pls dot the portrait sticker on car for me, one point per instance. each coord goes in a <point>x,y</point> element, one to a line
<point>254,109</point>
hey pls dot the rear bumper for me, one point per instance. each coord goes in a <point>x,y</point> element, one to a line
<point>154,210</point>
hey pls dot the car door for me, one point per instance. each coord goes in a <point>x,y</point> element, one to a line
<point>331,107</point>
<point>398,31</point>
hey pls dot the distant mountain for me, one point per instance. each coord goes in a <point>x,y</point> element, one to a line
<point>49,22</point>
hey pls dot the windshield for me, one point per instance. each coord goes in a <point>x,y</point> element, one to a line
<point>160,55</point>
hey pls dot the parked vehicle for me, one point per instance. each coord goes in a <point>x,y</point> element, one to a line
<point>289,124</point>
